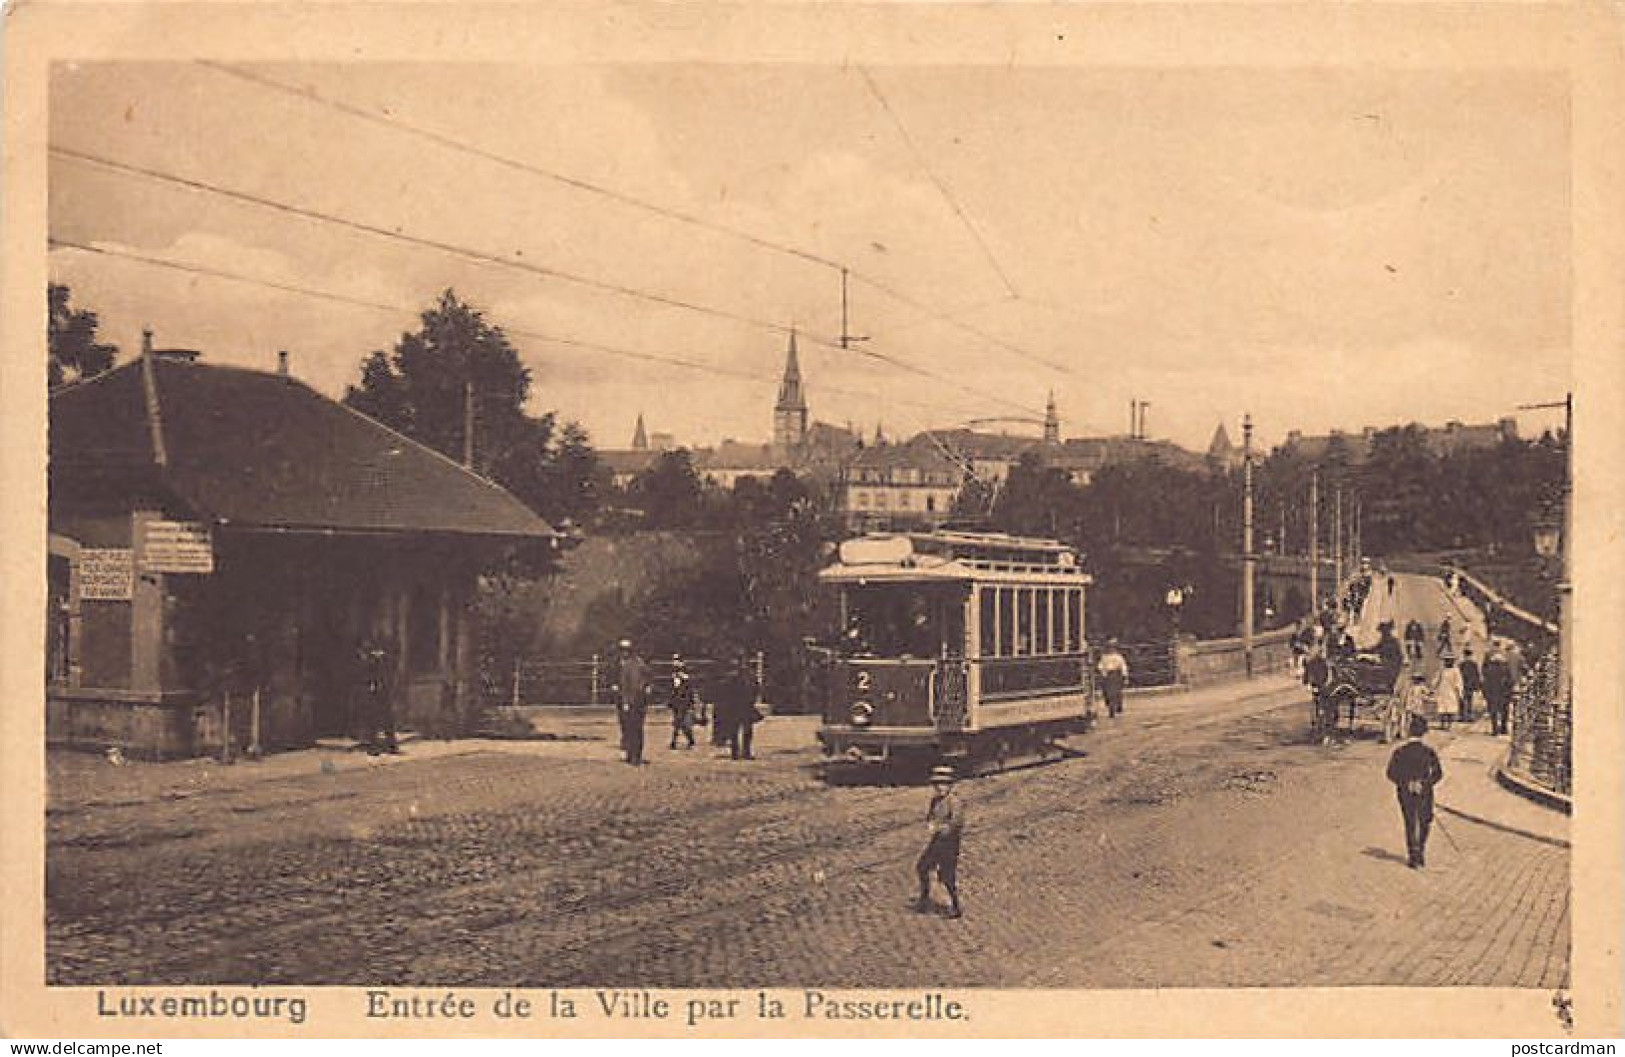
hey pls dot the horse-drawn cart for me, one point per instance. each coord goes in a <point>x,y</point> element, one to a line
<point>1360,688</point>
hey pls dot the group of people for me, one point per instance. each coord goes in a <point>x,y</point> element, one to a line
<point>1453,693</point>
<point>733,697</point>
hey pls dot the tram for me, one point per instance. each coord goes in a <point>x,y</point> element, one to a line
<point>961,647</point>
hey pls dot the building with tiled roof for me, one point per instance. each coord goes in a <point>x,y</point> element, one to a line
<point>216,531</point>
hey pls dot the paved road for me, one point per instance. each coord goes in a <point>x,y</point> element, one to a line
<point>1198,840</point>
<point>1426,599</point>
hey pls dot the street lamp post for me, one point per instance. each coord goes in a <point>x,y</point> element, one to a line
<point>1565,546</point>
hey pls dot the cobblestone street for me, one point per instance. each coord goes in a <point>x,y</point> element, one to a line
<point>1198,840</point>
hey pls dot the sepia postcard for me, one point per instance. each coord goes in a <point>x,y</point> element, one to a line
<point>904,520</point>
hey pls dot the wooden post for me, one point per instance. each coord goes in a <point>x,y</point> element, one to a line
<point>514,696</point>
<point>226,755</point>
<point>255,748</point>
<point>596,677</point>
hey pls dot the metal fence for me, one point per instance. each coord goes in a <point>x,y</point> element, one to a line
<point>591,681</point>
<point>1542,750</point>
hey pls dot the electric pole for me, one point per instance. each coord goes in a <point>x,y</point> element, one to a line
<point>468,423</point>
<point>1247,541</point>
<point>1337,541</point>
<point>1314,540</point>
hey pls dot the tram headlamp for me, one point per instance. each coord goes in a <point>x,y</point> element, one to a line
<point>863,713</point>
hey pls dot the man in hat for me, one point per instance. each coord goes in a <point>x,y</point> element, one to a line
<point>1113,671</point>
<point>682,703</point>
<point>1498,683</point>
<point>631,699</point>
<point>1471,682</point>
<point>1414,769</point>
<point>377,663</point>
<point>945,818</point>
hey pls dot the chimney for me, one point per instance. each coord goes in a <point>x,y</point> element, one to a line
<point>146,341</point>
<point>282,362</point>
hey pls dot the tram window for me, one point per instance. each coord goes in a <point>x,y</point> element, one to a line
<point>1074,620</point>
<point>1007,621</point>
<point>1057,620</point>
<point>1024,621</point>
<point>1041,624</point>
<point>904,620</point>
<point>989,621</point>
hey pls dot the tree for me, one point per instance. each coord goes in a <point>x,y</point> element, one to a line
<point>73,352</point>
<point>670,493</point>
<point>424,387</point>
<point>579,480</point>
<point>420,388</point>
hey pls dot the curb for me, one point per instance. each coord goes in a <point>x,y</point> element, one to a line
<point>1531,791</point>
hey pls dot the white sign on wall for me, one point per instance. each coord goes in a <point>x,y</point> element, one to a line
<point>106,575</point>
<point>176,547</point>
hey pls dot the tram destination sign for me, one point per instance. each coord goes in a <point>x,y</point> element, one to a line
<point>176,547</point>
<point>106,574</point>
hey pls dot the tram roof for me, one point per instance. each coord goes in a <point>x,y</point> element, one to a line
<point>960,556</point>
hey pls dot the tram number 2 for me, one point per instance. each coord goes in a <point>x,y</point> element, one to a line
<point>864,682</point>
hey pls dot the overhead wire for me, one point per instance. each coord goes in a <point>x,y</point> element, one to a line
<point>440,139</point>
<point>941,186</point>
<point>521,332</point>
<point>481,257</point>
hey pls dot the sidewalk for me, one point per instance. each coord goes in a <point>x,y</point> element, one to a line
<point>1491,908</point>
<point>79,780</point>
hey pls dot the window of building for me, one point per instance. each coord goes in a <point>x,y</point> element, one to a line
<point>931,503</point>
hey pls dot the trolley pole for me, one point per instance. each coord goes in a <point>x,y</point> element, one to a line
<point>1247,542</point>
<point>1314,541</point>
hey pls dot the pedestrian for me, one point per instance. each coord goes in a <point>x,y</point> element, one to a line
<point>1471,682</point>
<point>1316,674</point>
<point>1391,583</point>
<point>1497,689</point>
<point>682,703</point>
<point>1390,653</point>
<point>1448,692</point>
<point>1444,639</point>
<point>736,708</point>
<point>1300,648</point>
<point>631,700</point>
<point>1113,669</point>
<point>1416,701</point>
<point>945,822</point>
<point>1414,769</point>
<point>1414,637</point>
<point>377,662</point>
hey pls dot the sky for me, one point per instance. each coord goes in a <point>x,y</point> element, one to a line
<point>1321,248</point>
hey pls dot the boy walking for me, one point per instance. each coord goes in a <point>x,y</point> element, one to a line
<point>945,819</point>
<point>1414,769</point>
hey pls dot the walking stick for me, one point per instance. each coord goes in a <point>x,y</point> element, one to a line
<point>1438,821</point>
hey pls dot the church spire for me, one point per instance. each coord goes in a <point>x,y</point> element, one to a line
<point>640,438</point>
<point>790,413</point>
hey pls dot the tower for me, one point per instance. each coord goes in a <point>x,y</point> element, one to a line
<point>790,413</point>
<point>1052,421</point>
<point>640,438</point>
